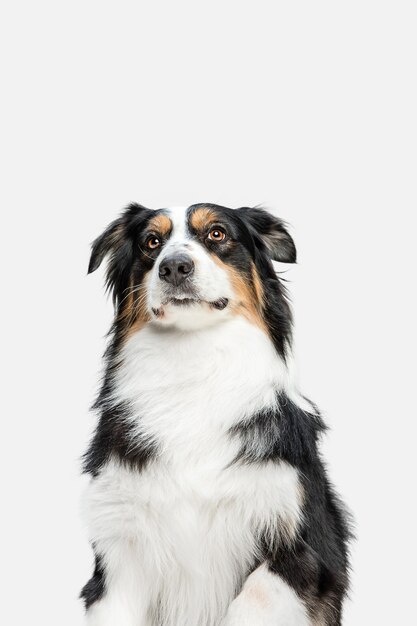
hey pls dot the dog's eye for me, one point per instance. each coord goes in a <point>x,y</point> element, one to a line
<point>216,234</point>
<point>153,242</point>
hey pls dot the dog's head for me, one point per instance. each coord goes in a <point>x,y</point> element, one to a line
<point>191,267</point>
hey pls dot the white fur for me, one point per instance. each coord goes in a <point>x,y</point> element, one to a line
<point>266,600</point>
<point>190,520</point>
<point>126,600</point>
<point>182,533</point>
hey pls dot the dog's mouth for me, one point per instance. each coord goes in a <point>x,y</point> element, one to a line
<point>219,304</point>
<point>189,301</point>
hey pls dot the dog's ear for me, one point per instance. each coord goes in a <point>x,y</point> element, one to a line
<point>117,242</point>
<point>272,231</point>
<point>106,243</point>
<point>117,245</point>
<point>115,238</point>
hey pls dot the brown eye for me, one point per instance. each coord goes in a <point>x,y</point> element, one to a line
<point>216,235</point>
<point>153,242</point>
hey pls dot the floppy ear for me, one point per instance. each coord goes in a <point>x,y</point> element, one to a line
<point>273,233</point>
<point>116,235</point>
<point>117,242</point>
<point>105,244</point>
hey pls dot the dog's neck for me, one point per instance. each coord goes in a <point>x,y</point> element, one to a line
<point>219,374</point>
<point>161,358</point>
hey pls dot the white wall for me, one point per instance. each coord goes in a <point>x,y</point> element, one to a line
<point>309,107</point>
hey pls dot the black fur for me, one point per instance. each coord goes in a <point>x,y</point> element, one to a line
<point>113,438</point>
<point>122,243</point>
<point>272,232</point>
<point>282,433</point>
<point>95,587</point>
<point>316,565</point>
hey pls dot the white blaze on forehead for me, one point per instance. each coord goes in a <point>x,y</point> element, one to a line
<point>178,217</point>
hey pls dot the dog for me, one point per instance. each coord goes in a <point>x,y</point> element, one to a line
<point>208,503</point>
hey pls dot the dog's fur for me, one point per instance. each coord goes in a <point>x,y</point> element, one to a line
<point>208,502</point>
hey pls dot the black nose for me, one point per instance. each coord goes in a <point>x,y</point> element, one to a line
<point>175,269</point>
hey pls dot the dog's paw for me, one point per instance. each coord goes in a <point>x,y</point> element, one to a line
<point>240,616</point>
<point>266,600</point>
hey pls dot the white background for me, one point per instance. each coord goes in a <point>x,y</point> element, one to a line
<point>309,107</point>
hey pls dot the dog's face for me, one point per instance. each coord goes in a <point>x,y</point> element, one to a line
<point>191,267</point>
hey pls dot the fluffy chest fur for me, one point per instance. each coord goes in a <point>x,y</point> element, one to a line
<point>186,390</point>
<point>193,515</point>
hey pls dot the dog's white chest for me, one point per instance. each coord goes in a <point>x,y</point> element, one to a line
<point>193,533</point>
<point>187,389</point>
<point>192,517</point>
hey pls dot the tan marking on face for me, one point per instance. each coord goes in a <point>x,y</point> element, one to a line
<point>202,217</point>
<point>134,313</point>
<point>257,285</point>
<point>248,303</point>
<point>249,294</point>
<point>160,224</point>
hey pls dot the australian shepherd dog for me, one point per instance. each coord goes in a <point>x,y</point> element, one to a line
<point>208,503</point>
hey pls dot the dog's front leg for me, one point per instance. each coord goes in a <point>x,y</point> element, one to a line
<point>266,600</point>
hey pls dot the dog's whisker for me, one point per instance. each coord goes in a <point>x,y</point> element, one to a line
<point>132,291</point>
